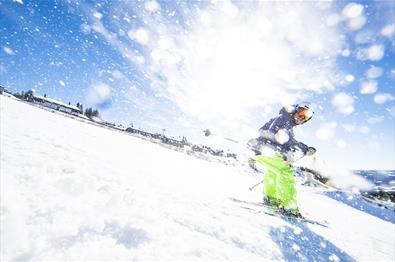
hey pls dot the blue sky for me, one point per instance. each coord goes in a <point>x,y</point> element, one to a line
<point>185,66</point>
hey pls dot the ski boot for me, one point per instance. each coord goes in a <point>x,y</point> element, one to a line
<point>275,203</point>
<point>269,201</point>
<point>290,212</point>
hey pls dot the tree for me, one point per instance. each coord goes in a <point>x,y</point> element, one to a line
<point>89,112</point>
<point>28,96</point>
<point>95,113</point>
<point>80,107</point>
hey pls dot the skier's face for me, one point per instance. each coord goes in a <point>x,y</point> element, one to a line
<point>299,119</point>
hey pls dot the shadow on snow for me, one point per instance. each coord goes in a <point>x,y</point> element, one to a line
<point>357,202</point>
<point>299,243</point>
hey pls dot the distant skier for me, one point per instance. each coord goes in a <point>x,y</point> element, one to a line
<point>274,150</point>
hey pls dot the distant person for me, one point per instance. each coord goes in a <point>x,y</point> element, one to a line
<point>274,149</point>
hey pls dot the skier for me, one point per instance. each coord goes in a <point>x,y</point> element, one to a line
<point>274,149</point>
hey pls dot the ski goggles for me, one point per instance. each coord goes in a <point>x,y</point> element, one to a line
<point>305,113</point>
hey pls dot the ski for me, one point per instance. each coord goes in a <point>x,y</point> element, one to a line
<point>272,211</point>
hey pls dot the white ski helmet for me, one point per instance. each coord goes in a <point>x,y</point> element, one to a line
<point>304,111</point>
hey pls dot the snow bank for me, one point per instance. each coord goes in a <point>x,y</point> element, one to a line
<point>75,191</point>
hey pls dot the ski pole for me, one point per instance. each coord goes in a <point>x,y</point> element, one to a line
<point>298,159</point>
<point>207,132</point>
<point>254,186</point>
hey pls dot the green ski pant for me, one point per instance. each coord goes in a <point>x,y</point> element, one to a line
<point>279,182</point>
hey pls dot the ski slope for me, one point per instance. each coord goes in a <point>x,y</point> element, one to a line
<point>74,191</point>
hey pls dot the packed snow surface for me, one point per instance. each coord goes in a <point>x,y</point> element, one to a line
<point>71,191</point>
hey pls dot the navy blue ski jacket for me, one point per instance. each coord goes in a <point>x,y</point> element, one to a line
<point>284,122</point>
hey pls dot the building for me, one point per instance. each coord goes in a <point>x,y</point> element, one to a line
<point>137,131</point>
<point>52,103</point>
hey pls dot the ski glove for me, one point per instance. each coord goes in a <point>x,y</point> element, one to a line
<point>310,151</point>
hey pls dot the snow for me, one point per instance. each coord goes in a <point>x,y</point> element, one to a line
<point>350,78</point>
<point>140,35</point>
<point>326,131</point>
<point>90,193</point>
<point>152,6</point>
<point>376,52</point>
<point>388,30</point>
<point>98,15</point>
<point>100,94</point>
<point>346,53</point>
<point>357,22</point>
<point>374,72</point>
<point>225,48</point>
<point>354,13</point>
<point>344,103</point>
<point>373,53</point>
<point>352,10</point>
<point>341,143</point>
<point>383,98</point>
<point>375,119</point>
<point>8,50</point>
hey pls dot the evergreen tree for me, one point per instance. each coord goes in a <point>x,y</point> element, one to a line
<point>89,112</point>
<point>95,113</point>
<point>80,107</point>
